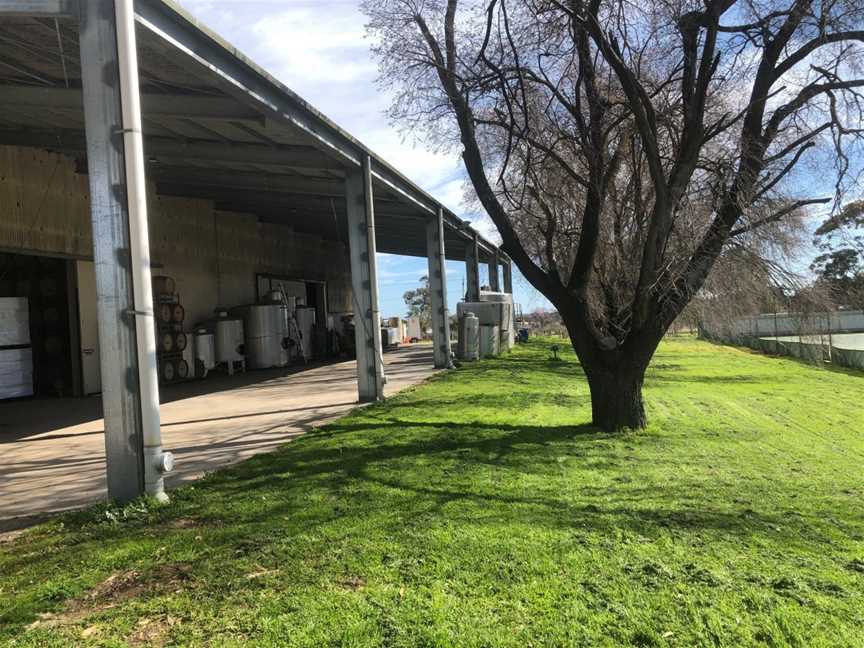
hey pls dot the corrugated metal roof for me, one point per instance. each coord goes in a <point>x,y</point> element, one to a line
<point>216,126</point>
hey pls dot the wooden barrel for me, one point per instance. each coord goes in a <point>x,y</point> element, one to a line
<point>168,372</point>
<point>165,313</point>
<point>178,313</point>
<point>163,285</point>
<point>180,341</point>
<point>166,342</point>
<point>181,369</point>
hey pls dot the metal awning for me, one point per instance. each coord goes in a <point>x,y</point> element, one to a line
<point>216,126</point>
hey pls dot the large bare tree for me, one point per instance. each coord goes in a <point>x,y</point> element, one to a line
<point>621,146</point>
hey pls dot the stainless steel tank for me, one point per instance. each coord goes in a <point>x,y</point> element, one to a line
<point>489,341</point>
<point>266,328</point>
<point>305,317</point>
<point>229,338</point>
<point>205,350</point>
<point>469,336</point>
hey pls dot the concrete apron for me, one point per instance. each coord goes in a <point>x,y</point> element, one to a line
<point>52,452</point>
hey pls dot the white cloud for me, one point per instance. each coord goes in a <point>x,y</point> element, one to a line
<point>319,44</point>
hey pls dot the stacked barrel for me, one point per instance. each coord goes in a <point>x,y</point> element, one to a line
<point>171,340</point>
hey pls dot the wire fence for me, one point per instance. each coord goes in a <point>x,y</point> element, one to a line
<point>819,337</point>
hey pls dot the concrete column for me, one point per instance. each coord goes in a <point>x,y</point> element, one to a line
<point>493,272</point>
<point>508,276</point>
<point>438,290</point>
<point>364,283</point>
<point>472,271</point>
<point>112,251</point>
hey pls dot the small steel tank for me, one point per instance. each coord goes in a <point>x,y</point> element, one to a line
<point>266,329</point>
<point>489,340</point>
<point>229,339</point>
<point>470,333</point>
<point>205,351</point>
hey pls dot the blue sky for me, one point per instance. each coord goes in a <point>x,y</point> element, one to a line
<point>318,49</point>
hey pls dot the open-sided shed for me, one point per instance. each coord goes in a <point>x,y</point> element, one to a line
<point>154,109</point>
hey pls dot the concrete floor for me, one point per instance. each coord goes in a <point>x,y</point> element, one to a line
<point>52,453</point>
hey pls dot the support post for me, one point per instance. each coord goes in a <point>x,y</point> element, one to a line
<point>130,396</point>
<point>438,290</point>
<point>364,282</point>
<point>494,262</point>
<point>472,270</point>
<point>508,277</point>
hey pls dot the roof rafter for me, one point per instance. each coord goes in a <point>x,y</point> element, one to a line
<point>190,106</point>
<point>177,150</point>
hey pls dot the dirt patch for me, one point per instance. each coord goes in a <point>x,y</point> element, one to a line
<point>117,589</point>
<point>152,631</point>
<point>9,536</point>
<point>353,583</point>
<point>173,576</point>
<point>195,523</point>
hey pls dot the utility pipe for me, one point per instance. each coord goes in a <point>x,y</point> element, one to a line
<point>156,462</point>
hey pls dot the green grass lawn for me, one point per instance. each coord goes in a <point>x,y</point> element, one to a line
<point>480,509</point>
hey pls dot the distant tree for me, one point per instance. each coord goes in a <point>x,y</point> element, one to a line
<point>840,267</point>
<point>621,147</point>
<point>419,303</point>
<point>746,282</point>
<point>545,321</point>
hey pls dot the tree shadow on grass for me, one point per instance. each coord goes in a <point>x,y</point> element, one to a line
<point>487,447</point>
<point>512,399</point>
<point>408,477</point>
<point>417,475</point>
<point>388,466</point>
<point>661,371</point>
<point>438,438</point>
<point>668,377</point>
<point>514,366</point>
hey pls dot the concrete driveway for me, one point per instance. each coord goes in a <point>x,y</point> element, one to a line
<point>52,453</point>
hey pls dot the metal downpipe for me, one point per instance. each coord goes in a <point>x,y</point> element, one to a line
<point>371,246</point>
<point>156,462</point>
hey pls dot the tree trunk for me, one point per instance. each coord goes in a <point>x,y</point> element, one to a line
<point>616,397</point>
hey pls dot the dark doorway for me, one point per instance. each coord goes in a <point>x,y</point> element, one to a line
<point>48,283</point>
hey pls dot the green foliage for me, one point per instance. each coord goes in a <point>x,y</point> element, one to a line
<point>840,266</point>
<point>480,509</point>
<point>419,303</point>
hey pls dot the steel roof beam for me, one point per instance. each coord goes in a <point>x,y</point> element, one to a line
<point>156,146</point>
<point>246,181</point>
<point>40,8</point>
<point>152,104</point>
<point>308,197</point>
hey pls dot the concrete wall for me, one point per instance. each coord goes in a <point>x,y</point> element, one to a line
<point>212,255</point>
<point>794,323</point>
